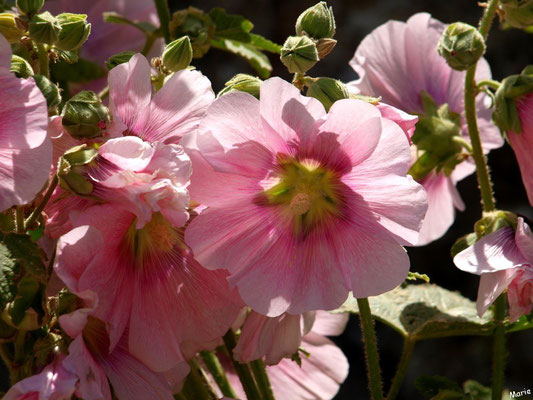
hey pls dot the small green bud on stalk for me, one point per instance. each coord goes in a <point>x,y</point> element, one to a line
<point>518,13</point>
<point>177,54</point>
<point>328,91</point>
<point>299,54</point>
<point>20,67</point>
<point>30,6</point>
<point>44,28</point>
<point>75,31</point>
<point>84,116</point>
<point>50,92</point>
<point>316,22</point>
<point>242,83</point>
<point>461,45</point>
<point>119,58</point>
<point>9,27</point>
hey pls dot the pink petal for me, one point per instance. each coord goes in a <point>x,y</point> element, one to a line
<point>129,153</point>
<point>491,285</point>
<point>177,108</point>
<point>524,240</point>
<point>130,93</point>
<point>5,56</point>
<point>405,121</point>
<point>495,252</point>
<point>520,293</point>
<point>328,324</point>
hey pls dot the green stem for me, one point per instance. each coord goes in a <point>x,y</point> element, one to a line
<point>489,83</point>
<point>245,376</point>
<point>164,18</point>
<point>37,212</point>
<point>148,44</point>
<point>44,61</point>
<point>408,347</point>
<point>217,372</point>
<point>104,93</point>
<point>488,17</point>
<point>498,348</point>
<point>463,142</point>
<point>371,350</point>
<point>19,219</point>
<point>261,377</point>
<point>196,385</point>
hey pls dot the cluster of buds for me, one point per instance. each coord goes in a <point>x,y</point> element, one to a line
<point>315,29</point>
<point>65,31</point>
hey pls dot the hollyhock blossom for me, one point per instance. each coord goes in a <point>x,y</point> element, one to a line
<point>397,62</point>
<point>303,206</point>
<point>54,382</point>
<point>504,259</point>
<point>25,150</point>
<point>319,376</point>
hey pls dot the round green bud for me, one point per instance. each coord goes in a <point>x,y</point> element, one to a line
<point>49,90</point>
<point>299,54</point>
<point>317,22</point>
<point>461,45</point>
<point>9,27</point>
<point>20,67</point>
<point>74,31</point>
<point>242,83</point>
<point>518,13</point>
<point>84,116</point>
<point>44,28</point>
<point>195,24</point>
<point>328,91</point>
<point>30,6</point>
<point>177,54</point>
<point>119,58</point>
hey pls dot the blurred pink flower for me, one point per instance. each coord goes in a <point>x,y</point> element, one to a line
<point>396,62</point>
<point>303,206</point>
<point>25,150</point>
<point>522,143</point>
<point>504,259</point>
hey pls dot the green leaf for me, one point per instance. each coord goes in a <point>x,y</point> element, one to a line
<point>525,322</point>
<point>234,27</point>
<point>425,311</point>
<point>259,42</point>
<point>477,391</point>
<point>115,18</point>
<point>257,60</point>
<point>81,72</point>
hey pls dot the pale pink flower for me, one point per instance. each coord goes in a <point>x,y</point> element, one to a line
<point>522,143</point>
<point>54,382</point>
<point>107,39</point>
<point>25,150</point>
<point>504,259</point>
<point>145,278</point>
<point>396,62</point>
<point>319,376</point>
<point>303,206</point>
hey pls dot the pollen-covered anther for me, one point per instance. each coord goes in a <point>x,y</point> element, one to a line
<point>300,203</point>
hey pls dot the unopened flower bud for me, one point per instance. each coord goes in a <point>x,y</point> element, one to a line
<point>71,168</point>
<point>317,22</point>
<point>518,13</point>
<point>49,90</point>
<point>324,47</point>
<point>195,24</point>
<point>9,27</point>
<point>119,58</point>
<point>74,31</point>
<point>512,89</point>
<point>44,28</point>
<point>30,6</point>
<point>242,83</point>
<point>20,67</point>
<point>84,116</point>
<point>177,54</point>
<point>299,54</point>
<point>461,45</point>
<point>328,91</point>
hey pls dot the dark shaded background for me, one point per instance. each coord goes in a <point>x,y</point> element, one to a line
<point>508,52</point>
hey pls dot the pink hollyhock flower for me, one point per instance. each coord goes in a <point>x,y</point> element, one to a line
<point>522,143</point>
<point>320,374</point>
<point>25,150</point>
<point>303,206</point>
<point>145,278</point>
<point>99,47</point>
<point>396,62</point>
<point>504,259</point>
<point>55,382</point>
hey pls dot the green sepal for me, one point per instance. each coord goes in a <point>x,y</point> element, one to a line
<point>20,67</point>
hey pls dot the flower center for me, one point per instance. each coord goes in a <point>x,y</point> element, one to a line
<point>305,190</point>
